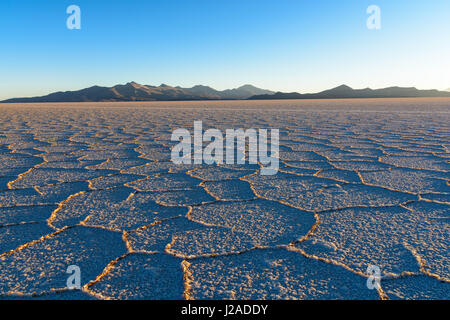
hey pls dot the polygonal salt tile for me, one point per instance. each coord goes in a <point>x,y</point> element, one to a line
<point>68,164</point>
<point>310,147</point>
<point>273,274</point>
<point>429,210</point>
<point>14,215</point>
<point>155,154</point>
<point>153,168</point>
<point>137,211</point>
<point>283,185</point>
<point>62,148</point>
<point>192,197</point>
<point>41,266</point>
<point>424,148</point>
<point>267,222</point>
<point>16,161</point>
<point>339,197</point>
<point>229,189</point>
<point>209,241</point>
<point>340,175</point>
<point>62,160</point>
<point>360,165</point>
<point>445,175</point>
<point>429,225</point>
<point>158,235</point>
<point>416,288</point>
<point>430,163</point>
<point>301,156</point>
<point>28,142</point>
<point>166,182</point>
<point>69,294</point>
<point>120,164</point>
<point>27,151</point>
<point>405,180</point>
<point>356,144</point>
<point>59,192</point>
<point>339,155</point>
<point>215,173</point>
<point>106,154</point>
<point>87,139</point>
<point>116,180</point>
<point>13,236</point>
<point>298,171</point>
<point>12,172</point>
<point>143,276</point>
<point>312,165</point>
<point>79,206</point>
<point>41,177</point>
<point>400,152</point>
<point>40,196</point>
<point>438,197</point>
<point>360,237</point>
<point>368,152</point>
<point>243,166</point>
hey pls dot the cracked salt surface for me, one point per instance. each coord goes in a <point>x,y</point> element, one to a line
<point>361,182</point>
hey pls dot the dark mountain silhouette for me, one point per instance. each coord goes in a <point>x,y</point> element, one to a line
<point>277,95</point>
<point>204,91</point>
<point>345,92</point>
<point>244,91</point>
<point>133,91</point>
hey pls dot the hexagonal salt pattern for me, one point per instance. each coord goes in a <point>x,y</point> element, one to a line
<point>360,183</point>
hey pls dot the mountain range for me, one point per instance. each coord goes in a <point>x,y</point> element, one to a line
<point>345,92</point>
<point>133,91</point>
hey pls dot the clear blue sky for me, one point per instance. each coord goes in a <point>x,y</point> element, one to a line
<point>286,45</point>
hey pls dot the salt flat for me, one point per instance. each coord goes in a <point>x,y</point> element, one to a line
<point>361,182</point>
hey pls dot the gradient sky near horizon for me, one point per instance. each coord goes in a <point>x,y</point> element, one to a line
<point>284,45</point>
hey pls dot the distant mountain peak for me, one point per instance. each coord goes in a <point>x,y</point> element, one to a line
<point>244,92</point>
<point>247,86</point>
<point>200,86</point>
<point>131,84</point>
<point>342,87</point>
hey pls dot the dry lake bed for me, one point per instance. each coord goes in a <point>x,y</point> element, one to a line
<point>89,190</point>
